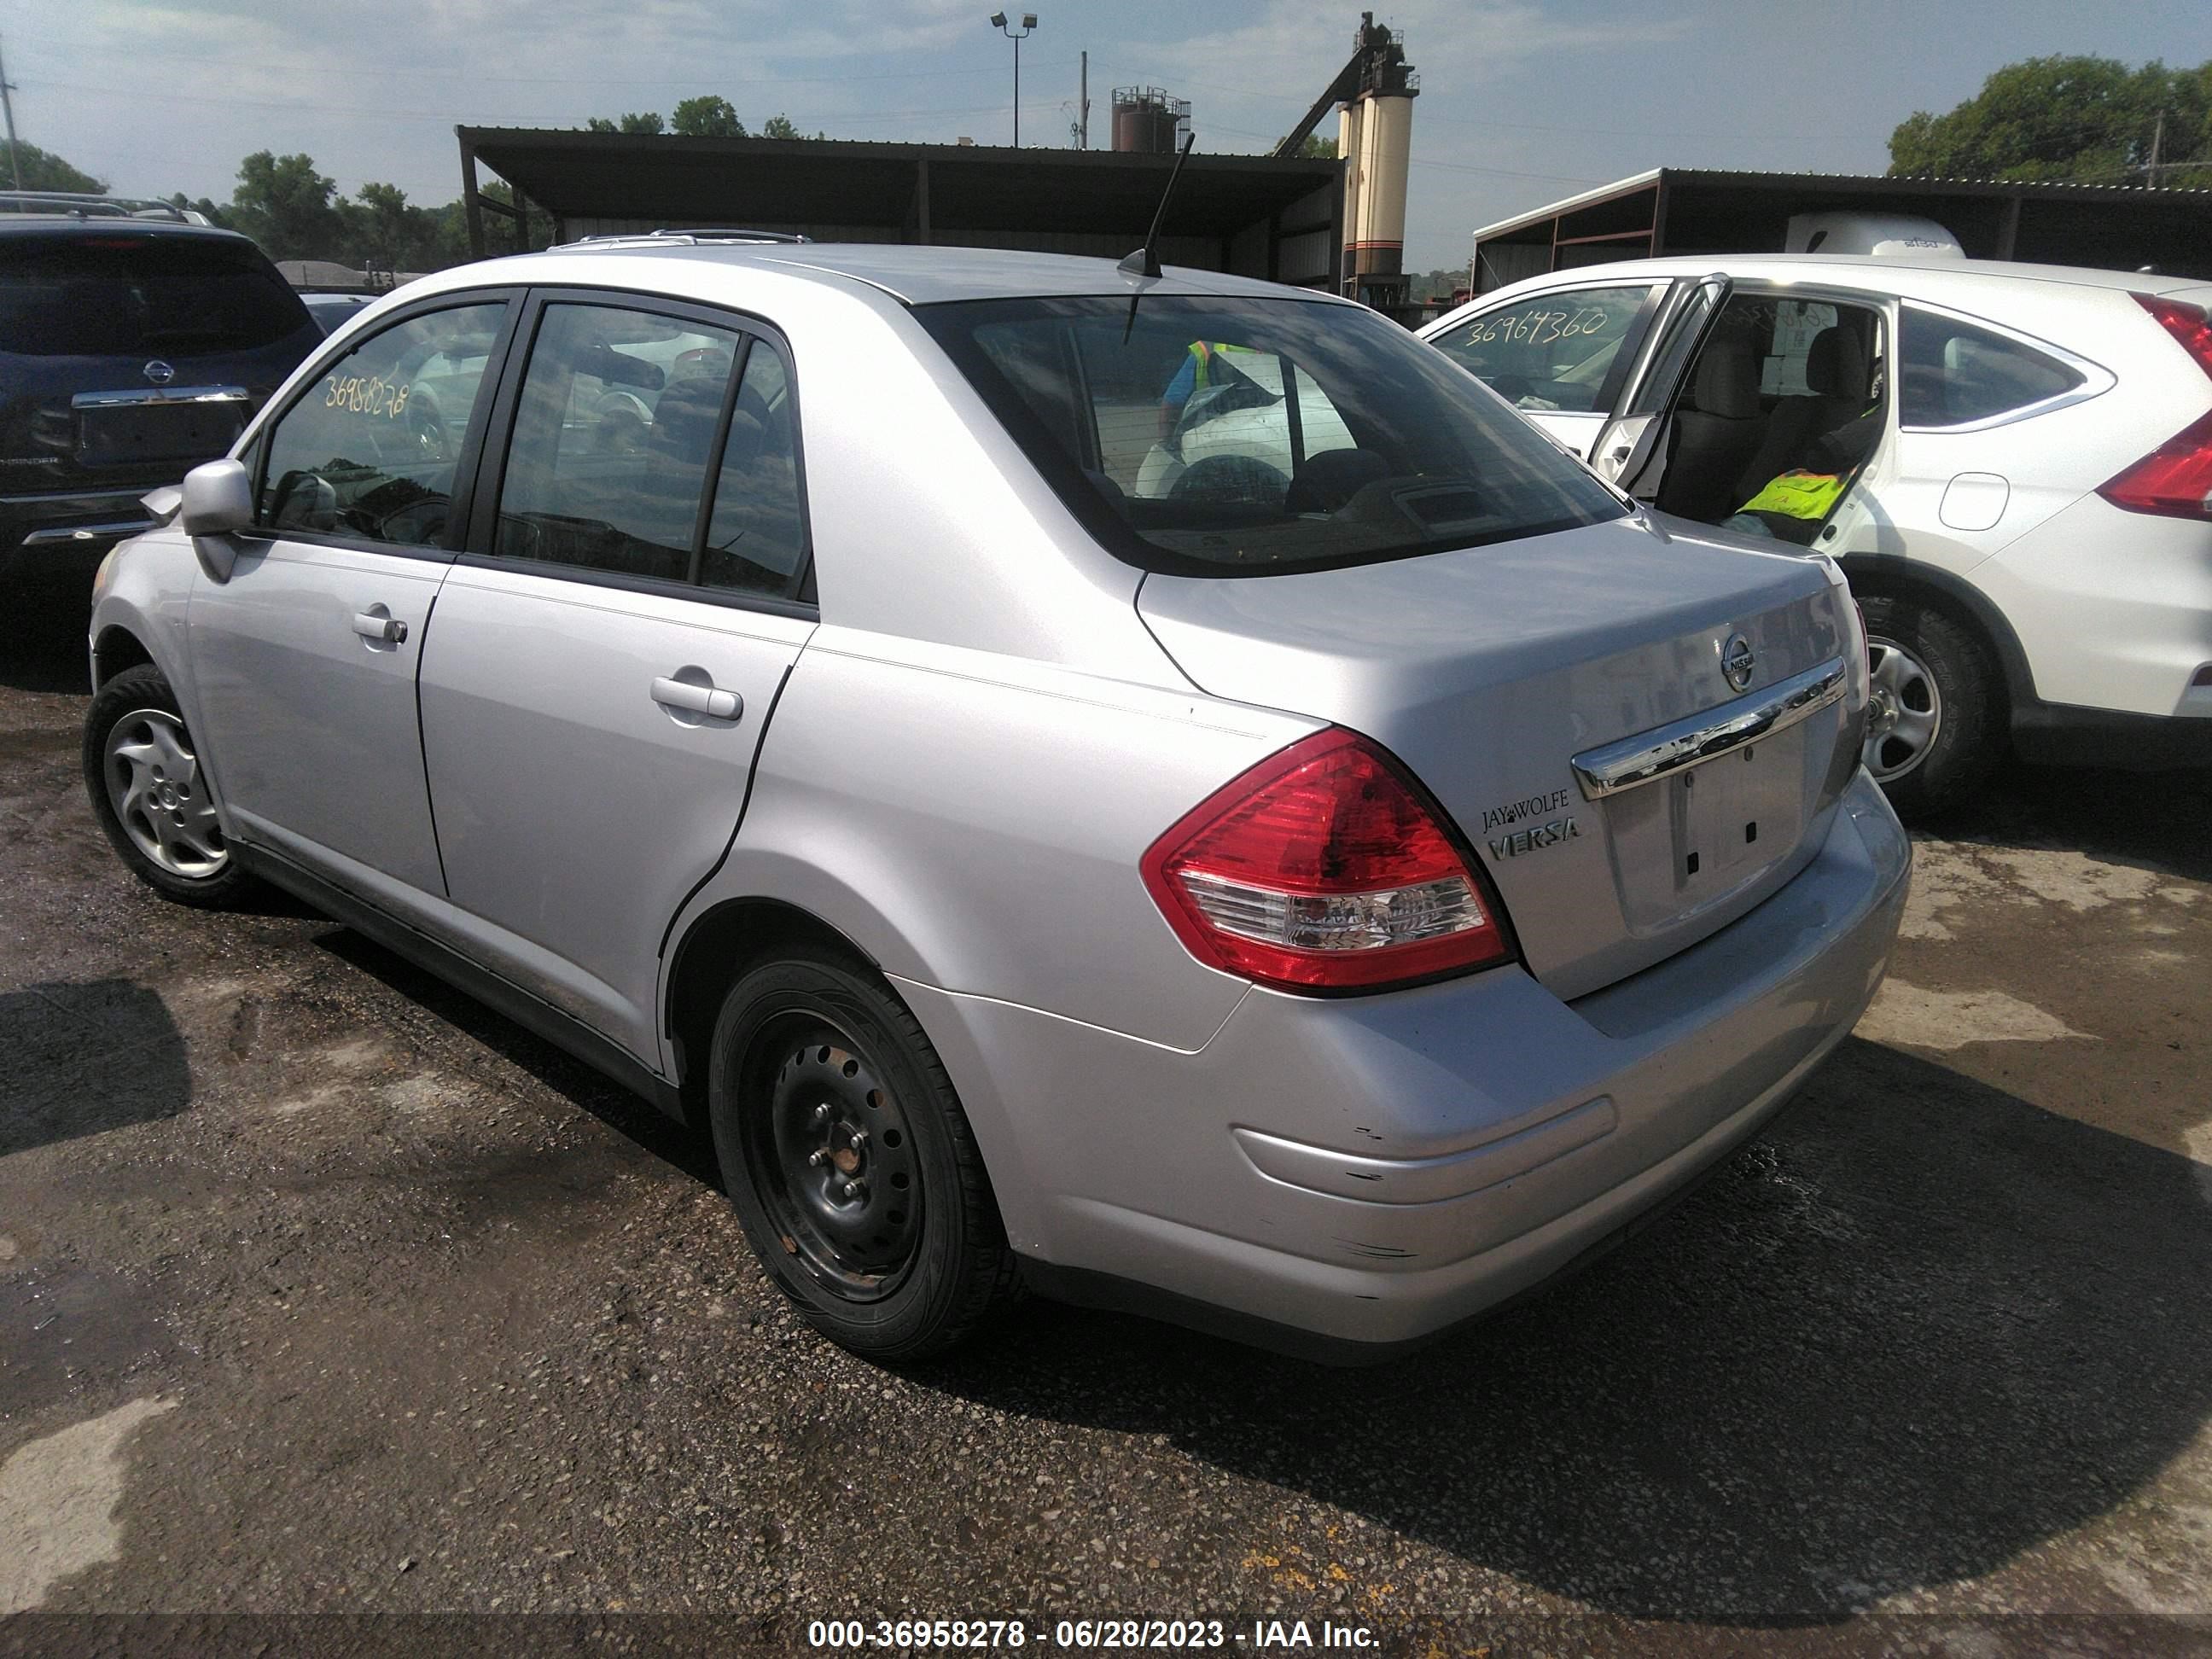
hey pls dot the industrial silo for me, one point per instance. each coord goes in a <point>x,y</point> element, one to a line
<point>1375,134</point>
<point>1148,122</point>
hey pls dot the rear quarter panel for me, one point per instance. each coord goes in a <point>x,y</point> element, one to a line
<point>975,824</point>
<point>2049,461</point>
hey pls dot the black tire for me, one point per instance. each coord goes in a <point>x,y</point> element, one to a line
<point>1968,699</point>
<point>919,1258</point>
<point>143,695</point>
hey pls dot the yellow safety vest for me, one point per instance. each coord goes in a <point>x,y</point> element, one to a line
<point>1798,494</point>
<point>1203,350</point>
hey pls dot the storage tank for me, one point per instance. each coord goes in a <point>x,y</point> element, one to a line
<point>1147,122</point>
<point>1350,125</point>
<point>1376,139</point>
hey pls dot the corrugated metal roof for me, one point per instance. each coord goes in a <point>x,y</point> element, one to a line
<point>2034,186</point>
<point>1880,184</point>
<point>836,187</point>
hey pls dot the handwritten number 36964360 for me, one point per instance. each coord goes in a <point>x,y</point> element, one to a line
<point>1538,327</point>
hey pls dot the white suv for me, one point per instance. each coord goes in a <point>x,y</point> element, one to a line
<point>2013,462</point>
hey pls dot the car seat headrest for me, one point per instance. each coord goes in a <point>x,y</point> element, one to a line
<point>1727,382</point>
<point>1333,477</point>
<point>1836,364</point>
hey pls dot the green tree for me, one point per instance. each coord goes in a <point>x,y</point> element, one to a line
<point>647,123</point>
<point>215,212</point>
<point>780,125</point>
<point>386,231</point>
<point>1436,284</point>
<point>708,117</point>
<point>2092,120</point>
<point>288,207</point>
<point>44,170</point>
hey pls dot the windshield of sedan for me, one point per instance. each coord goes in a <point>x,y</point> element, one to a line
<point>1244,436</point>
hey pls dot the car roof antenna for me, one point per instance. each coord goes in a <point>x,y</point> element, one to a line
<point>1145,261</point>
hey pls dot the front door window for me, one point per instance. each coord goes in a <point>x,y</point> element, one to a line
<point>368,451</point>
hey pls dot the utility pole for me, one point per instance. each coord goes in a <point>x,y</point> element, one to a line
<point>1083,106</point>
<point>2151,169</point>
<point>15,161</point>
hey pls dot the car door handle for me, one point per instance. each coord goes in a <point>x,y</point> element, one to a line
<point>709,700</point>
<point>370,626</point>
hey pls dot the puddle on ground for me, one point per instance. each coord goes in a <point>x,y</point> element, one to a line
<point>62,1326</point>
<point>1956,884</point>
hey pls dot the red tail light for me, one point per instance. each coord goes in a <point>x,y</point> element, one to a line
<point>1324,868</point>
<point>2188,324</point>
<point>2174,480</point>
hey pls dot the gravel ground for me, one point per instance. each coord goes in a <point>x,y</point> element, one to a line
<point>324,1290</point>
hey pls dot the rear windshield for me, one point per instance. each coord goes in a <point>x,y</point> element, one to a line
<point>125,295</point>
<point>1221,437</point>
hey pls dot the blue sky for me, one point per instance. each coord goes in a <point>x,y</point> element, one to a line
<point>1522,101</point>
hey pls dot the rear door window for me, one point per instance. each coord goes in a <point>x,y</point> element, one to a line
<point>1567,352</point>
<point>369,450</point>
<point>142,295</point>
<point>614,436</point>
<point>1953,374</point>
<point>756,536</point>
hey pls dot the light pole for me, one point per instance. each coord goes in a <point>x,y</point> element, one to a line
<point>1028,25</point>
<point>15,162</point>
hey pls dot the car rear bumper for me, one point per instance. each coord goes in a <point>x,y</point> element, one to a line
<point>1373,1171</point>
<point>65,534</point>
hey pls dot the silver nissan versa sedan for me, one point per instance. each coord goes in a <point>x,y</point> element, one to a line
<point>1163,789</point>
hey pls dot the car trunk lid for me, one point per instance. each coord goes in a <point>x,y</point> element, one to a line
<point>1492,672</point>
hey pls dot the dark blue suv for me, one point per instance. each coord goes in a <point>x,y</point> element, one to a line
<point>131,350</point>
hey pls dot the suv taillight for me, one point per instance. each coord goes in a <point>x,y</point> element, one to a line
<point>2188,324</point>
<point>2174,480</point>
<point>1324,868</point>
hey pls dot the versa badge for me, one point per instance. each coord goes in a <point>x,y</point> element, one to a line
<point>1538,835</point>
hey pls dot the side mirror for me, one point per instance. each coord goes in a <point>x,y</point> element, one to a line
<point>218,499</point>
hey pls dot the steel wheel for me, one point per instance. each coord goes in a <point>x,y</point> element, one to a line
<point>838,1173</point>
<point>1906,715</point>
<point>849,1161</point>
<point>155,786</point>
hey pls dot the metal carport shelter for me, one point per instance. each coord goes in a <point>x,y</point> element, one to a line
<point>1255,215</point>
<point>1698,210</point>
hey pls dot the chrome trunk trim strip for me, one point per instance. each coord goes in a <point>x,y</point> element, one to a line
<point>1633,761</point>
<point>162,394</point>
